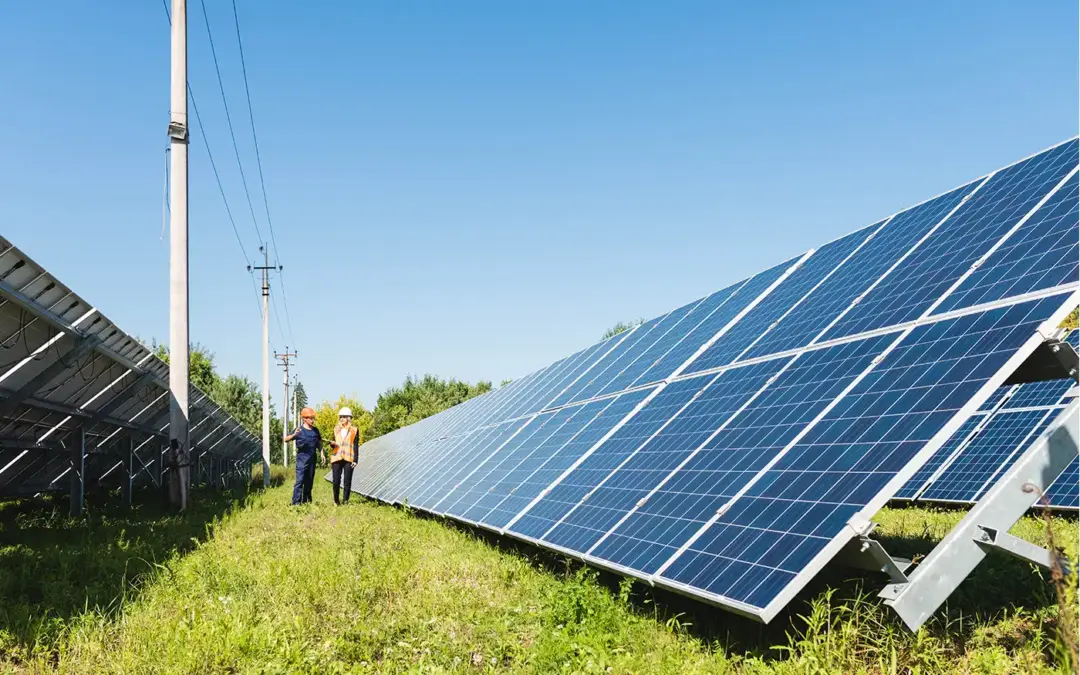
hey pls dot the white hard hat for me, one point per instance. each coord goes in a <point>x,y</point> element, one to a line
<point>345,412</point>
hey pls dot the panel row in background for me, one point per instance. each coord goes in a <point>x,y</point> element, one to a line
<point>735,485</point>
<point>1004,235</point>
<point>988,443</point>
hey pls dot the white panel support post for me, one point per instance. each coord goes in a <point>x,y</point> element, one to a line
<point>266,269</point>
<point>284,361</point>
<point>78,471</point>
<point>178,261</point>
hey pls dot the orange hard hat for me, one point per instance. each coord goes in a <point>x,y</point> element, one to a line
<point>307,412</point>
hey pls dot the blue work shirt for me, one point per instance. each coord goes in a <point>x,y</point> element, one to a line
<point>308,440</point>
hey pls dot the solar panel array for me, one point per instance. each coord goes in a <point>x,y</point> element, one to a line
<point>987,444</point>
<point>730,448</point>
<point>64,367</point>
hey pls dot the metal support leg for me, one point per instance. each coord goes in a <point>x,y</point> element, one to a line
<point>983,528</point>
<point>78,472</point>
<point>128,457</point>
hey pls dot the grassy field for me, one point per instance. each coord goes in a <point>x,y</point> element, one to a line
<point>256,586</point>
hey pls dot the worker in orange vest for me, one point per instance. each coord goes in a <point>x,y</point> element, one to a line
<point>346,447</point>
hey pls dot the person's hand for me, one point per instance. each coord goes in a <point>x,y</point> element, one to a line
<point>352,465</point>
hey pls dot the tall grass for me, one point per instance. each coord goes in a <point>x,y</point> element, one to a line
<point>366,588</point>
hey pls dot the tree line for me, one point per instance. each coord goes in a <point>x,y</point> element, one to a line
<point>399,406</point>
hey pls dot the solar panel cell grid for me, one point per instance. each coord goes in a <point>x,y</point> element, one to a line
<point>438,473</point>
<point>704,331</point>
<point>943,454</point>
<point>960,241</point>
<point>1042,254</point>
<point>477,488</point>
<point>590,384</point>
<point>728,461</point>
<point>606,458</point>
<point>837,293</point>
<point>1004,436</point>
<point>1065,491</point>
<point>848,458</point>
<point>541,470</point>
<point>784,297</point>
<point>661,454</point>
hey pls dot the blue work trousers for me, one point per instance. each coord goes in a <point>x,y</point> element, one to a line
<point>305,477</point>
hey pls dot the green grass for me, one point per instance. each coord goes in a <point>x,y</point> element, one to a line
<point>268,588</point>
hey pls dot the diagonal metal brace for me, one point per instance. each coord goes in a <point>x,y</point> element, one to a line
<point>965,546</point>
<point>865,553</point>
<point>991,538</point>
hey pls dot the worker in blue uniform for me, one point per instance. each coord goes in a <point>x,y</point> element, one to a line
<point>308,443</point>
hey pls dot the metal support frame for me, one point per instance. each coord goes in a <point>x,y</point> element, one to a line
<point>865,553</point>
<point>1021,549</point>
<point>127,456</point>
<point>78,472</point>
<point>1052,360</point>
<point>13,399</point>
<point>986,524</point>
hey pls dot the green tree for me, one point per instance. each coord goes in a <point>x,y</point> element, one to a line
<point>301,396</point>
<point>240,397</point>
<point>418,398</point>
<point>620,327</point>
<point>326,416</point>
<point>1072,322</point>
<point>201,369</point>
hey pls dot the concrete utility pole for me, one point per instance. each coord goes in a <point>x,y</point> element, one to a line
<point>179,343</point>
<point>266,269</point>
<point>283,360</point>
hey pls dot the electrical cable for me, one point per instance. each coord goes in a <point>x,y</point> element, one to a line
<point>228,118</point>
<point>258,162</point>
<point>213,166</point>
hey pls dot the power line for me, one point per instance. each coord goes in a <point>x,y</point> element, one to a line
<point>254,135</point>
<point>258,162</point>
<point>213,166</point>
<point>228,118</point>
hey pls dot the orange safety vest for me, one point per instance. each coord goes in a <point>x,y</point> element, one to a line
<point>344,436</point>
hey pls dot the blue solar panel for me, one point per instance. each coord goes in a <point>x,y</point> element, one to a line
<point>995,398</point>
<point>469,489</point>
<point>633,375</point>
<point>755,548</point>
<point>1064,493</point>
<point>576,368</point>
<point>439,476</point>
<point>1043,393</point>
<point>634,346</point>
<point>961,240</point>
<point>730,459</point>
<point>837,293</point>
<point>538,472</point>
<point>709,326</point>
<point>642,462</point>
<point>738,486</point>
<point>1005,435</point>
<point>562,497</point>
<point>942,455</point>
<point>790,292</point>
<point>1043,253</point>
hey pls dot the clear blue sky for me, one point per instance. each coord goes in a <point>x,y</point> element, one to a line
<point>477,188</point>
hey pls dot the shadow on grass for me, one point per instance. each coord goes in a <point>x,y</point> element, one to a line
<point>999,584</point>
<point>54,567</point>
